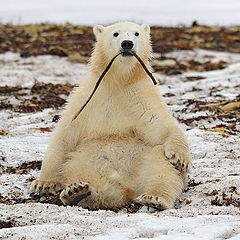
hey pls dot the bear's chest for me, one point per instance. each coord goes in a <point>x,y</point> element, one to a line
<point>106,115</point>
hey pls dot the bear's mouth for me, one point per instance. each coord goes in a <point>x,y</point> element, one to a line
<point>126,54</point>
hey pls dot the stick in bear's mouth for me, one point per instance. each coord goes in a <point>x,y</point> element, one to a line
<point>126,53</point>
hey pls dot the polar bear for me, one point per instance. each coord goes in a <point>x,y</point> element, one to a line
<point>125,146</point>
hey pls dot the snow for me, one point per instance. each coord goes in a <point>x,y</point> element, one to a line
<point>17,71</point>
<point>74,223</point>
<point>91,12</point>
<point>216,163</point>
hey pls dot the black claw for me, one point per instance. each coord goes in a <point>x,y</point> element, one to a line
<point>69,193</point>
<point>89,193</point>
<point>75,189</point>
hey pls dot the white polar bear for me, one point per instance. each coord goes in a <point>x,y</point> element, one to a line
<point>125,146</point>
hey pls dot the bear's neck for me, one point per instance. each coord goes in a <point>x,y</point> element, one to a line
<point>120,74</point>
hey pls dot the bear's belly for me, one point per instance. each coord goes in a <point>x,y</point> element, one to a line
<point>110,165</point>
<point>112,155</point>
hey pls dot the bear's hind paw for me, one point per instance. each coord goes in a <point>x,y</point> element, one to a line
<point>152,201</point>
<point>45,187</point>
<point>80,194</point>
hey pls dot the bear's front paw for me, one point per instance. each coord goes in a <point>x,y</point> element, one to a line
<point>43,187</point>
<point>178,154</point>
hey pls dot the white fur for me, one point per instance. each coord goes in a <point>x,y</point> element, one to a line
<point>125,142</point>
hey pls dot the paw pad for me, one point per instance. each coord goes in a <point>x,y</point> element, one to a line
<point>80,194</point>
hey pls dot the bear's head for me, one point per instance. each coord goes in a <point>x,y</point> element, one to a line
<point>123,36</point>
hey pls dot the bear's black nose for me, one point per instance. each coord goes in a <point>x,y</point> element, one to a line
<point>127,45</point>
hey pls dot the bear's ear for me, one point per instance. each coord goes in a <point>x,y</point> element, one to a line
<point>146,28</point>
<point>98,29</point>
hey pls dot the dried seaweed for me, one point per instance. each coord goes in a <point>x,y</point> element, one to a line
<point>76,42</point>
<point>35,99</point>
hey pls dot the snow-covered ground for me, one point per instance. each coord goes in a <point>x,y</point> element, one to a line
<point>90,12</point>
<point>209,209</point>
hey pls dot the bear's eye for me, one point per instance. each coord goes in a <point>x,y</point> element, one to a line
<point>115,34</point>
<point>136,34</point>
